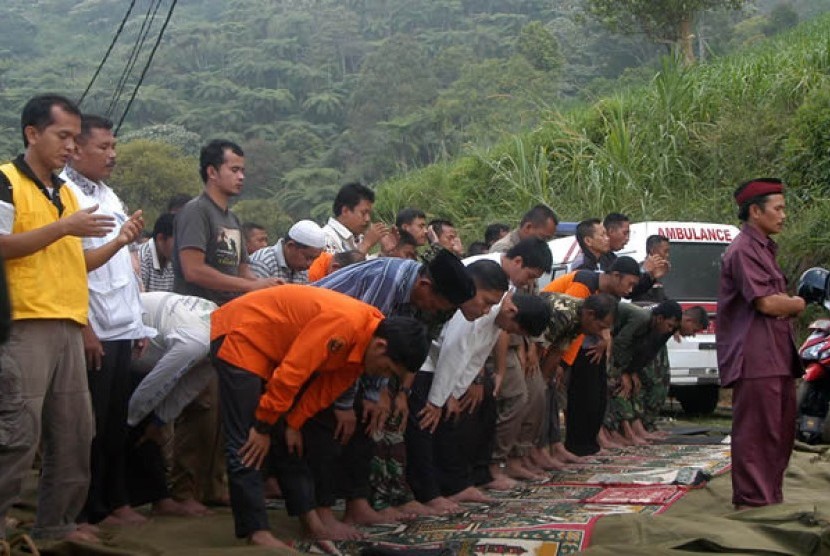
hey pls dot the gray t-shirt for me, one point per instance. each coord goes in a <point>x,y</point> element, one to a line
<point>203,225</point>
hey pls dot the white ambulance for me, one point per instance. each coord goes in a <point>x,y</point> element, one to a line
<point>696,252</point>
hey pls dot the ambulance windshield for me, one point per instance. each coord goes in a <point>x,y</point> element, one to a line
<point>695,271</point>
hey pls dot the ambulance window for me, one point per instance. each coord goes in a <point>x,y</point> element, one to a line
<point>695,271</point>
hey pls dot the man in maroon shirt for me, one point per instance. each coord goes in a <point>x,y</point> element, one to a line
<point>756,349</point>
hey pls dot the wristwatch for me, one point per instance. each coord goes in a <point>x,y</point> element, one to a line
<point>262,427</point>
<point>406,391</point>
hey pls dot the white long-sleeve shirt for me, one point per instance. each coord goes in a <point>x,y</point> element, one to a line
<point>459,353</point>
<point>462,348</point>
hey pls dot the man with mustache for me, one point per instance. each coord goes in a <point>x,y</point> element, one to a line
<point>115,331</point>
<point>757,356</point>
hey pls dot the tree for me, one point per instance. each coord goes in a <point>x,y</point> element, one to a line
<point>174,135</point>
<point>665,21</point>
<point>265,212</point>
<point>539,47</point>
<point>149,173</point>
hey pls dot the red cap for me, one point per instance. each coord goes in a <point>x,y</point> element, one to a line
<point>757,188</point>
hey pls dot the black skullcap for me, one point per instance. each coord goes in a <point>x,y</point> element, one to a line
<point>450,278</point>
<point>625,265</point>
<point>669,309</point>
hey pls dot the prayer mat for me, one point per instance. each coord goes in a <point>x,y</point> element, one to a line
<point>548,542</point>
<point>661,494</point>
<point>518,526</point>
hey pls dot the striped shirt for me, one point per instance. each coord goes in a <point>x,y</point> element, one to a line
<point>154,278</point>
<point>269,262</point>
<point>385,283</point>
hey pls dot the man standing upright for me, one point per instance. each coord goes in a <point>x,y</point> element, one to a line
<point>41,225</point>
<point>757,356</point>
<point>209,257</point>
<point>209,261</point>
<point>115,326</point>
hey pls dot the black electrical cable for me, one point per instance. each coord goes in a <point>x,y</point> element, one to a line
<point>109,50</point>
<point>141,38</point>
<point>147,65</point>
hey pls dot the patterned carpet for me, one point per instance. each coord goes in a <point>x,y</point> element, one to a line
<point>554,518</point>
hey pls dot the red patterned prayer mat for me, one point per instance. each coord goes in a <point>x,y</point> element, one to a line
<point>659,494</point>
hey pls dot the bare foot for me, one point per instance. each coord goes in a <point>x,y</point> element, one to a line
<point>89,528</point>
<point>265,538</point>
<point>606,440</point>
<point>395,515</point>
<point>546,462</point>
<point>169,507</point>
<point>501,482</point>
<point>530,464</point>
<point>443,505</point>
<point>470,494</point>
<point>195,506</point>
<point>80,535</point>
<point>333,529</point>
<point>516,470</point>
<point>112,521</point>
<point>564,455</point>
<point>359,512</point>
<point>413,507</point>
<point>129,516</point>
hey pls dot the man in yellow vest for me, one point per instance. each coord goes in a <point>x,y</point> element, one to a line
<point>43,365</point>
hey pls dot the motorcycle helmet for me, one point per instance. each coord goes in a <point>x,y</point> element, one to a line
<point>812,286</point>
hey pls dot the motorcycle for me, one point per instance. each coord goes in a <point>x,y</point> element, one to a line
<point>814,391</point>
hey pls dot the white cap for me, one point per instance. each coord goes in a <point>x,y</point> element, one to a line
<point>308,233</point>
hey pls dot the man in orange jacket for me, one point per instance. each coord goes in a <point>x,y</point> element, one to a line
<point>283,354</point>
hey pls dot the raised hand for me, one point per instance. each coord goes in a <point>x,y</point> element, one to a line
<point>84,223</point>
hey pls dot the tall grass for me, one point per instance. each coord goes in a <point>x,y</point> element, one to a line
<point>673,148</point>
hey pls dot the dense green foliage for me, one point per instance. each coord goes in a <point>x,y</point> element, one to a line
<point>674,149</point>
<point>323,91</point>
<point>319,92</point>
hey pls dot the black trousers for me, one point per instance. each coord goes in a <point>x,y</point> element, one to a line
<point>464,445</point>
<point>587,399</point>
<point>239,393</point>
<point>109,389</point>
<point>421,471</point>
<point>355,463</point>
<point>484,434</point>
<point>146,469</point>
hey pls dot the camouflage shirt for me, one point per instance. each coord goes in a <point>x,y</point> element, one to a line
<point>565,321</point>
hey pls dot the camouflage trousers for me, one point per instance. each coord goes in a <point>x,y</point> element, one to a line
<point>647,403</point>
<point>388,470</point>
<point>619,408</point>
<point>655,390</point>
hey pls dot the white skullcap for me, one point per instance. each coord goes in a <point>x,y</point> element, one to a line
<point>308,233</point>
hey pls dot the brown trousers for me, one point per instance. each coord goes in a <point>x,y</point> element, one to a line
<point>43,380</point>
<point>198,450</point>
